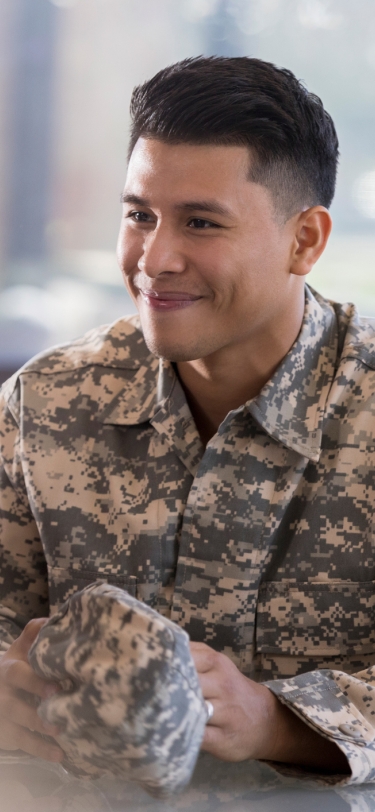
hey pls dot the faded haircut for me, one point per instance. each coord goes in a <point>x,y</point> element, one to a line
<point>241,101</point>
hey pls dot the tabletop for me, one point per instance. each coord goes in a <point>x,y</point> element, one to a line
<point>32,785</point>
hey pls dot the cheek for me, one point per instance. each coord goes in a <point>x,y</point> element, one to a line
<point>218,267</point>
<point>129,251</point>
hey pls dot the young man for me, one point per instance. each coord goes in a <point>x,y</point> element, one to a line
<point>214,455</point>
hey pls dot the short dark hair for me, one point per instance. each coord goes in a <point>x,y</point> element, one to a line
<point>249,102</point>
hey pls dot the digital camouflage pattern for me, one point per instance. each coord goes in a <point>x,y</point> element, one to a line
<point>261,545</point>
<point>131,703</point>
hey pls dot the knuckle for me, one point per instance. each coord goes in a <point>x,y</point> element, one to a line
<point>11,671</point>
<point>213,657</point>
<point>229,686</point>
<point>32,628</point>
<point>204,649</point>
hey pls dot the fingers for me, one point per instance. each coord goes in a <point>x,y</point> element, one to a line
<point>221,743</point>
<point>36,746</point>
<point>16,710</point>
<point>24,642</point>
<point>214,742</point>
<point>14,737</point>
<point>15,669</point>
<point>212,669</point>
<point>20,725</point>
<point>19,675</point>
<point>205,658</point>
<point>210,686</point>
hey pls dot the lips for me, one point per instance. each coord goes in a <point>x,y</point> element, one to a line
<point>168,300</point>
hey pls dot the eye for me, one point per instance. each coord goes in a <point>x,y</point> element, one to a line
<point>200,223</point>
<point>139,216</point>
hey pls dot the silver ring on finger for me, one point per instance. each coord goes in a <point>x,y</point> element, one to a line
<point>209,709</point>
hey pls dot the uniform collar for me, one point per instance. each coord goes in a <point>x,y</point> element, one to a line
<point>154,394</point>
<point>137,399</point>
<point>290,407</point>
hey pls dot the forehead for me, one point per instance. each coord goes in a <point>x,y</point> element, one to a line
<point>158,167</point>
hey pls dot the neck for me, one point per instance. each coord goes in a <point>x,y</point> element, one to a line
<point>236,373</point>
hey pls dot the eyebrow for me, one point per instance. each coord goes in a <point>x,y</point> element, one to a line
<point>209,206</point>
<point>137,201</point>
<point>204,205</point>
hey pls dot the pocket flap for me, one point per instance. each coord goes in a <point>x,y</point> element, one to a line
<point>64,582</point>
<point>323,618</point>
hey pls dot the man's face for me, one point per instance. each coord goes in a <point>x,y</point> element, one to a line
<point>201,250</point>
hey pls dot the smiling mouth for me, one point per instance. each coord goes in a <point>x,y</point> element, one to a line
<point>168,300</point>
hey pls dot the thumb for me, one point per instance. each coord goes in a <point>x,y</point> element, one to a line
<point>29,635</point>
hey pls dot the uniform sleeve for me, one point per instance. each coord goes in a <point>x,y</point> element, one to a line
<point>341,708</point>
<point>23,571</point>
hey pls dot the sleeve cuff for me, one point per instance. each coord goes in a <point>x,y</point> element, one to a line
<point>318,700</point>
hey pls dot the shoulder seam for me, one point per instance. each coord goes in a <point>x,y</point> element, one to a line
<point>362,353</point>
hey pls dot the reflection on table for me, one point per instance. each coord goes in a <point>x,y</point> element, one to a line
<point>36,786</point>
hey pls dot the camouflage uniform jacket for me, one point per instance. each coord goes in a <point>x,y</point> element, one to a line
<point>261,545</point>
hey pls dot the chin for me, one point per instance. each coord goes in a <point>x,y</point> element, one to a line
<point>172,351</point>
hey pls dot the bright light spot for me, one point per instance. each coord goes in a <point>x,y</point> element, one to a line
<point>316,14</point>
<point>98,267</point>
<point>32,304</point>
<point>364,195</point>
<point>63,3</point>
<point>67,307</point>
<point>194,10</point>
<point>253,18</point>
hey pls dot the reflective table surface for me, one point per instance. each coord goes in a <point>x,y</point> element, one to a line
<point>30,785</point>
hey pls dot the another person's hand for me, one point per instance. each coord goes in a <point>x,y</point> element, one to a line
<point>20,691</point>
<point>249,722</point>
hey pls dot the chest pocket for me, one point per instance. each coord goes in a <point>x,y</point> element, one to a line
<point>63,583</point>
<point>315,625</point>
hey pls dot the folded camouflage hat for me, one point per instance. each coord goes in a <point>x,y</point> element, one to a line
<point>131,704</point>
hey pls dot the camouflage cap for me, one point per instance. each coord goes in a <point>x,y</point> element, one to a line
<point>131,703</point>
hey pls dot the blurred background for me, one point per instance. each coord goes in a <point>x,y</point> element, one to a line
<point>67,71</point>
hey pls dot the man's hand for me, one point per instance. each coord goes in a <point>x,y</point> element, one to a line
<point>242,723</point>
<point>20,725</point>
<point>249,722</point>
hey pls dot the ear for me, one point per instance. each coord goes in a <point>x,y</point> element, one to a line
<point>312,230</point>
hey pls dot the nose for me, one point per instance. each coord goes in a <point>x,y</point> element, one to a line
<point>162,253</point>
